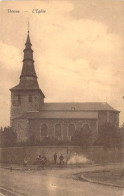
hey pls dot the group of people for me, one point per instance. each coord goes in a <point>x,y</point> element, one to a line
<point>43,159</point>
<point>61,159</point>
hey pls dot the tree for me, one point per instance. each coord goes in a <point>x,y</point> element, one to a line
<point>82,137</point>
<point>7,137</point>
<point>108,135</point>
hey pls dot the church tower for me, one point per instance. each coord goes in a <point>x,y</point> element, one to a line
<point>26,96</point>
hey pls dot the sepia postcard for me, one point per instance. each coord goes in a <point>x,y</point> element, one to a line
<point>62,98</point>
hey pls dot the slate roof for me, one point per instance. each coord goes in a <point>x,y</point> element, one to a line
<point>31,84</point>
<point>27,85</point>
<point>79,106</point>
<point>88,110</point>
<point>28,62</point>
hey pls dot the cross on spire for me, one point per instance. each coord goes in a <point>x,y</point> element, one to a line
<point>28,37</point>
<point>28,25</point>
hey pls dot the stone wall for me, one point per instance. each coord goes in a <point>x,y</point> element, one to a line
<point>21,127</point>
<point>35,127</point>
<point>26,128</point>
<point>93,154</point>
<point>114,118</point>
<point>102,117</point>
<point>12,155</point>
<point>20,103</point>
<point>108,116</point>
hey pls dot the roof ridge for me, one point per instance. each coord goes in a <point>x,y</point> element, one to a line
<point>76,102</point>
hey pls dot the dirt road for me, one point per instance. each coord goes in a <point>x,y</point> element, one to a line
<point>56,182</point>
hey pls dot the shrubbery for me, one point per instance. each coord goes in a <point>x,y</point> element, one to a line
<point>7,137</point>
<point>108,136</point>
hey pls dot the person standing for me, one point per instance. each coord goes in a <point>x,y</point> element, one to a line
<point>61,158</point>
<point>25,163</point>
<point>44,161</point>
<point>55,158</point>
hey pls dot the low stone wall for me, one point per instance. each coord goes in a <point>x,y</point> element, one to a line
<point>12,155</point>
<point>17,155</point>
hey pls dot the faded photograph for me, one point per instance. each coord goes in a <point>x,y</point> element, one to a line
<point>62,98</point>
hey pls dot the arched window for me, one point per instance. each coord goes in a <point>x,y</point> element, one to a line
<point>71,130</point>
<point>58,130</point>
<point>85,130</point>
<point>44,130</point>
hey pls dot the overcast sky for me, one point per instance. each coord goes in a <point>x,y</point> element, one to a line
<point>78,50</point>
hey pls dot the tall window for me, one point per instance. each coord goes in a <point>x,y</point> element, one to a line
<point>85,130</point>
<point>58,130</point>
<point>30,98</point>
<point>19,99</point>
<point>43,130</point>
<point>71,130</point>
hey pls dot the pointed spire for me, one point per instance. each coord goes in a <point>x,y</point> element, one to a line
<point>28,37</point>
<point>28,78</point>
<point>28,62</point>
<point>28,42</point>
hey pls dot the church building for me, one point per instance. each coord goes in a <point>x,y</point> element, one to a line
<point>32,116</point>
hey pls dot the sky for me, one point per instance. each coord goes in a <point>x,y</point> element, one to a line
<point>78,50</point>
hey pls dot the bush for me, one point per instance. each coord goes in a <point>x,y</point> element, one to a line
<point>108,136</point>
<point>7,137</point>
